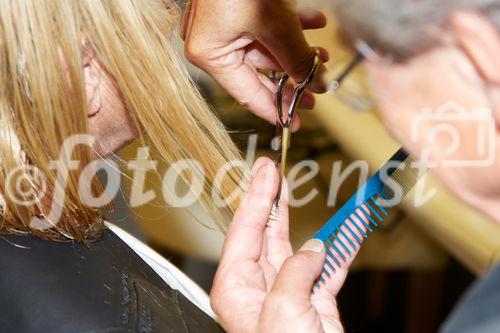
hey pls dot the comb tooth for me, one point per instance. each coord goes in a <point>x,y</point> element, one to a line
<point>357,227</point>
<point>354,234</point>
<point>348,228</point>
<point>388,205</point>
<point>336,237</point>
<point>373,210</point>
<point>368,216</point>
<point>375,200</point>
<point>336,250</point>
<point>330,253</point>
<point>329,264</point>
<point>367,226</point>
<point>348,238</point>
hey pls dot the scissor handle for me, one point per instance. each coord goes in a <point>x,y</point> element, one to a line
<point>279,99</point>
<point>298,91</point>
<point>283,125</point>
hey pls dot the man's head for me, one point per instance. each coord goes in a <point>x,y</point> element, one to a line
<point>436,80</point>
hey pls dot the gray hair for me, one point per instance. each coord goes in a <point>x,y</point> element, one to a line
<point>403,27</point>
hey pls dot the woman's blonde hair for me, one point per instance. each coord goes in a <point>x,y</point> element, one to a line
<point>39,109</point>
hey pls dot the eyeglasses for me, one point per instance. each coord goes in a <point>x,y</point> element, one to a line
<point>350,86</point>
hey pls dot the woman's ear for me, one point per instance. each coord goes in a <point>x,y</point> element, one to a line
<point>92,76</point>
<point>480,39</point>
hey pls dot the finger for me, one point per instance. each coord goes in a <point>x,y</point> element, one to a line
<point>277,232</point>
<point>287,43</point>
<point>246,232</point>
<point>323,54</point>
<point>287,97</point>
<point>299,272</point>
<point>255,91</point>
<point>298,64</point>
<point>307,100</point>
<point>251,89</point>
<point>260,58</point>
<point>312,18</point>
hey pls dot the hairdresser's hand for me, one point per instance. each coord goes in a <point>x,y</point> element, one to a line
<point>232,40</point>
<point>261,286</point>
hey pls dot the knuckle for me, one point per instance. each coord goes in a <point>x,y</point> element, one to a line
<point>303,66</point>
<point>247,99</point>
<point>298,261</point>
<point>275,300</point>
<point>244,101</point>
<point>279,304</point>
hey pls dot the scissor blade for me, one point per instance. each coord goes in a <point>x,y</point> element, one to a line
<point>281,162</point>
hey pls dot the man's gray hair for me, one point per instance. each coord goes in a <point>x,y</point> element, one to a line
<point>403,27</point>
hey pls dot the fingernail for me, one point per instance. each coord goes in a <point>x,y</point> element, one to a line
<point>308,12</point>
<point>255,169</point>
<point>314,245</point>
<point>265,170</point>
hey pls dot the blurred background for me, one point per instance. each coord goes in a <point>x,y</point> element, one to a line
<point>408,274</point>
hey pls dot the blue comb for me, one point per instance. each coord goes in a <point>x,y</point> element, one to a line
<point>365,211</point>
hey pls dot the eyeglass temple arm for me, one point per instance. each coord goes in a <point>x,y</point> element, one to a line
<point>352,65</point>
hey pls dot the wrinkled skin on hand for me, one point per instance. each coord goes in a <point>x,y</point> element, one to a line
<point>232,40</point>
<point>261,286</point>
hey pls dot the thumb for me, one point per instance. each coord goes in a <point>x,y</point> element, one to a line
<point>299,272</point>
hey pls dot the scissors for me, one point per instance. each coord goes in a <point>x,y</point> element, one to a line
<point>281,141</point>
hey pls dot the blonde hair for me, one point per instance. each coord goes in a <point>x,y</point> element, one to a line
<point>133,40</point>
